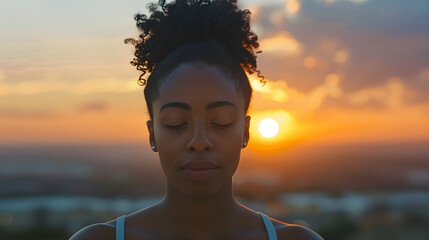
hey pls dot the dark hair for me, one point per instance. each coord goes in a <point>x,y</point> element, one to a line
<point>213,32</point>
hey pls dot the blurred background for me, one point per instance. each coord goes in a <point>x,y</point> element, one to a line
<point>346,151</point>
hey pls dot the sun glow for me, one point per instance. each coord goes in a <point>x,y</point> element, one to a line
<point>268,128</point>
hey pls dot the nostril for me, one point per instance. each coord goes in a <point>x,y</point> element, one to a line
<point>199,145</point>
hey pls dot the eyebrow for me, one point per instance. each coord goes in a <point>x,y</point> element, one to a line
<point>176,105</point>
<point>186,106</point>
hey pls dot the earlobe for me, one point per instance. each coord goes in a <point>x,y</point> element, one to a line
<point>246,131</point>
<point>152,141</point>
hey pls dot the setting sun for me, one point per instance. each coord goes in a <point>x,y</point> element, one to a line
<point>268,128</point>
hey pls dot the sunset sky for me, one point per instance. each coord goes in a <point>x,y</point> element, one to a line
<point>337,71</point>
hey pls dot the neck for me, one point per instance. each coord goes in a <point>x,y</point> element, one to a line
<point>201,217</point>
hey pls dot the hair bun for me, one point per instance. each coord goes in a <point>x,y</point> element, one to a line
<point>184,21</point>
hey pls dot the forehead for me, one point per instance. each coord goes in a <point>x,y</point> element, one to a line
<point>197,84</point>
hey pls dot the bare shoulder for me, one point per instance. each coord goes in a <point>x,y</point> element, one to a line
<point>104,231</point>
<point>293,231</point>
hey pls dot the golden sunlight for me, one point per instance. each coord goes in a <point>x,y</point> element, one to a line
<point>283,131</point>
<point>268,127</point>
<point>282,44</point>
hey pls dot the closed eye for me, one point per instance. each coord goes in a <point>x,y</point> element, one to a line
<point>176,126</point>
<point>222,125</point>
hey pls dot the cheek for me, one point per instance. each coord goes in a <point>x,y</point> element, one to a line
<point>167,140</point>
<point>229,144</point>
<point>168,147</point>
<point>229,156</point>
<point>232,137</point>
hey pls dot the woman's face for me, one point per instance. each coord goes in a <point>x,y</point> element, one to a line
<point>198,119</point>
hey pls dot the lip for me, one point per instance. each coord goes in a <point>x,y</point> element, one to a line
<point>200,165</point>
<point>200,174</point>
<point>199,170</point>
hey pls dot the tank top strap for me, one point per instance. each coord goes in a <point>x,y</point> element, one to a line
<point>120,228</point>
<point>272,235</point>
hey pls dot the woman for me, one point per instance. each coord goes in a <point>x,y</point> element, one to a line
<point>197,96</point>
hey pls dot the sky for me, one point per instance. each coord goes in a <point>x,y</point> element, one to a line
<point>337,71</point>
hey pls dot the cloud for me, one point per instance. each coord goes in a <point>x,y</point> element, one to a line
<point>105,85</point>
<point>390,95</point>
<point>278,18</point>
<point>290,10</point>
<point>279,91</point>
<point>268,18</point>
<point>293,6</point>
<point>273,90</point>
<point>282,44</point>
<point>27,114</point>
<point>93,106</point>
<point>341,56</point>
<point>83,87</point>
<point>315,98</point>
<point>310,62</point>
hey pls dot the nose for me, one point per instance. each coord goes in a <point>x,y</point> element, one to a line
<point>199,141</point>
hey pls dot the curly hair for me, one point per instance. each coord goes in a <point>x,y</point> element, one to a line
<point>214,32</point>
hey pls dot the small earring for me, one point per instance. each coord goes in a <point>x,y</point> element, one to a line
<point>245,143</point>
<point>153,147</point>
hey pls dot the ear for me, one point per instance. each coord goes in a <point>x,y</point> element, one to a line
<point>152,141</point>
<point>246,131</point>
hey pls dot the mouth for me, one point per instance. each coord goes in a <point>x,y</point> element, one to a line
<point>199,165</point>
<point>199,174</point>
<point>198,170</point>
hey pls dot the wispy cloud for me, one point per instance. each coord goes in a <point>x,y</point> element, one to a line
<point>279,91</point>
<point>391,94</point>
<point>27,114</point>
<point>82,87</point>
<point>93,106</point>
<point>282,14</point>
<point>282,44</point>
